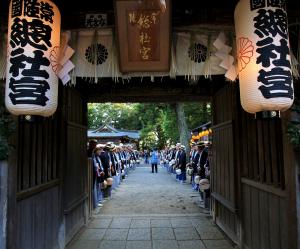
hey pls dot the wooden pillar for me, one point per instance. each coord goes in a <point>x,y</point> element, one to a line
<point>11,229</point>
<point>290,169</point>
<point>3,202</point>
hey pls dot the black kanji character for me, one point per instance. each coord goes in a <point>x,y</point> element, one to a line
<point>24,32</point>
<point>271,22</point>
<point>266,49</point>
<point>18,62</point>
<point>27,90</point>
<point>276,3</point>
<point>47,12</point>
<point>267,52</point>
<point>90,22</point>
<point>36,62</point>
<point>100,21</point>
<point>283,51</point>
<point>276,83</point>
<point>31,8</point>
<point>40,86</point>
<point>257,4</point>
<point>16,8</point>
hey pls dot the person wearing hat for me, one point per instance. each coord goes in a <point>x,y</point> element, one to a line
<point>113,163</point>
<point>182,163</point>
<point>119,163</point>
<point>172,156</point>
<point>177,155</point>
<point>92,146</point>
<point>193,151</point>
<point>112,160</point>
<point>104,156</point>
<point>194,162</point>
<point>98,177</point>
<point>202,163</point>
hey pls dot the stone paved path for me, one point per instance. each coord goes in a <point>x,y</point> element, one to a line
<point>151,211</point>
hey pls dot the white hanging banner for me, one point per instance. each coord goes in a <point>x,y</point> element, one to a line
<point>94,56</point>
<point>33,34</point>
<point>97,46</point>
<point>195,56</point>
<point>264,59</point>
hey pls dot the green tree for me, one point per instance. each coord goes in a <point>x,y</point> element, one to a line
<point>197,114</point>
<point>156,121</point>
<point>169,124</point>
<point>151,117</point>
<point>120,115</point>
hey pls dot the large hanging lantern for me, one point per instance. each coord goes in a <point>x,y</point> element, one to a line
<point>264,60</point>
<point>33,51</point>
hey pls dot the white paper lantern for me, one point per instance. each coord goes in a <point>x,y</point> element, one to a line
<point>204,184</point>
<point>109,181</point>
<point>32,57</point>
<point>178,171</point>
<point>264,61</point>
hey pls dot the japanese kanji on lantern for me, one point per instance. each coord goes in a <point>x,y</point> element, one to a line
<point>33,42</point>
<point>264,61</point>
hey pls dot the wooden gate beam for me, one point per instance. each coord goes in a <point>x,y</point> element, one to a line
<point>143,90</point>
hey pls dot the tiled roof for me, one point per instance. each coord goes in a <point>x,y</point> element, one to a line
<point>114,133</point>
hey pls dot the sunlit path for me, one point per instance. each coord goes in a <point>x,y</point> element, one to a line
<point>147,193</point>
<point>148,211</point>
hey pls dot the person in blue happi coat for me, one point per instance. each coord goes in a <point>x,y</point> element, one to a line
<point>154,159</point>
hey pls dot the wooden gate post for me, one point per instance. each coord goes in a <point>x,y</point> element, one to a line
<point>3,202</point>
<point>11,227</point>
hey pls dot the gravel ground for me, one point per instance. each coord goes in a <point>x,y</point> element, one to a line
<point>146,193</point>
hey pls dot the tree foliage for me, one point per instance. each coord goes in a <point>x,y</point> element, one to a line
<point>120,115</point>
<point>156,122</point>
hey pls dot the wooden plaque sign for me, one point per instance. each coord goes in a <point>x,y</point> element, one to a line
<point>144,36</point>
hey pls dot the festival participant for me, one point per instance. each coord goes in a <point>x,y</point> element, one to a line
<point>202,159</point>
<point>119,163</point>
<point>113,164</point>
<point>92,146</point>
<point>171,158</point>
<point>177,155</point>
<point>105,159</point>
<point>98,177</point>
<point>195,160</point>
<point>146,156</point>
<point>154,159</point>
<point>182,163</point>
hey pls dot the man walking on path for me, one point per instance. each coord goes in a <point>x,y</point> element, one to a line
<point>154,159</point>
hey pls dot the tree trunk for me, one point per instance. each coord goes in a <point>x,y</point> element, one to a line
<point>183,129</point>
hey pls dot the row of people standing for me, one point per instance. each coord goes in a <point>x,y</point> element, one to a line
<point>197,166</point>
<point>111,165</point>
<point>177,159</point>
<point>199,160</point>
